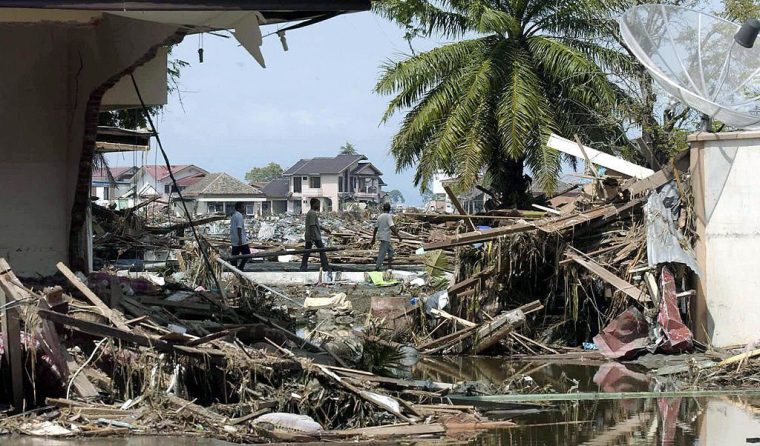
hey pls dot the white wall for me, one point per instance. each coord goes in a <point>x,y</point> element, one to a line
<point>49,72</point>
<point>729,217</point>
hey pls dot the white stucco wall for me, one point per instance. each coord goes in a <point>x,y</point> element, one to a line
<point>49,72</point>
<point>730,240</point>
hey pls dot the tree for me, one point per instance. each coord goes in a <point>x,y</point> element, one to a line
<point>489,103</point>
<point>347,149</point>
<point>266,173</point>
<point>395,196</point>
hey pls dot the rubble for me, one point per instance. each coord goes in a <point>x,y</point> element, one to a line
<point>259,356</point>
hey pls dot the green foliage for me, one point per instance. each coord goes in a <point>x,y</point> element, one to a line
<point>395,196</point>
<point>347,149</point>
<point>741,10</point>
<point>266,173</point>
<point>489,101</point>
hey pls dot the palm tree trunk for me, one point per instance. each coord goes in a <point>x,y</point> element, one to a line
<point>510,181</point>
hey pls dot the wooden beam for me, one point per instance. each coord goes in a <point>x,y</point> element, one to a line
<point>460,209</point>
<point>92,297</point>
<point>611,278</point>
<point>9,318</point>
<point>101,330</point>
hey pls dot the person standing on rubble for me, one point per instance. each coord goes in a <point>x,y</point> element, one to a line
<point>313,236</point>
<point>383,229</point>
<point>238,237</point>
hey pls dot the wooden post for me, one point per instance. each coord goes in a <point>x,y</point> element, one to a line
<point>460,209</point>
<point>11,330</point>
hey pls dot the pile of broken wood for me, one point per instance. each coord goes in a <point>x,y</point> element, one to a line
<point>121,357</point>
<point>583,266</point>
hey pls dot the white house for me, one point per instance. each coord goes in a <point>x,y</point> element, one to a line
<point>217,193</point>
<point>335,181</point>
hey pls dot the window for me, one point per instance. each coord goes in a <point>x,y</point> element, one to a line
<point>106,193</point>
<point>315,182</point>
<point>250,209</point>
<point>169,188</point>
<point>215,208</point>
<point>297,184</point>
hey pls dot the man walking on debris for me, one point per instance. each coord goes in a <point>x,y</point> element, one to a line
<point>238,237</point>
<point>383,228</point>
<point>313,236</point>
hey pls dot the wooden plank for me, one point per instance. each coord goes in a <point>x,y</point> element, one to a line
<point>402,430</point>
<point>92,297</point>
<point>178,305</point>
<point>11,330</point>
<point>609,277</point>
<point>82,385</point>
<point>200,411</point>
<point>460,209</point>
<point>458,320</point>
<point>101,330</point>
<point>662,176</point>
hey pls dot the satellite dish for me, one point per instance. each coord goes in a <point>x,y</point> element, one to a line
<point>695,58</point>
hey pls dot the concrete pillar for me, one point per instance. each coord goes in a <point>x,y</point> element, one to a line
<point>726,185</point>
<point>54,76</point>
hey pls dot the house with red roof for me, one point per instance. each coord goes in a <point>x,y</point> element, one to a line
<point>127,186</point>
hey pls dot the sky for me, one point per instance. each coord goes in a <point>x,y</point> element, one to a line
<point>232,115</point>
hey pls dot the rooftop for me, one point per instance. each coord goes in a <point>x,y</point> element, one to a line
<point>323,165</point>
<point>220,183</point>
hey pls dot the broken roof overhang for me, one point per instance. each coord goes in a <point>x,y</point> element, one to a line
<point>114,139</point>
<point>243,17</point>
<point>293,9</point>
<point>605,160</point>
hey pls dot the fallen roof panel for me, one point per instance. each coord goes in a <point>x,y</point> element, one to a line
<point>603,159</point>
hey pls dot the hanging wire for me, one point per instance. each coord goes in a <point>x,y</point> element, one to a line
<point>201,246</point>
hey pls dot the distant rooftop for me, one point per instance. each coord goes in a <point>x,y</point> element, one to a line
<point>220,183</point>
<point>323,165</point>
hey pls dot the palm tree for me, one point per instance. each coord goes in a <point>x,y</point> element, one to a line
<point>347,149</point>
<point>488,102</point>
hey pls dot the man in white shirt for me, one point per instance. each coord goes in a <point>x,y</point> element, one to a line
<point>238,237</point>
<point>383,228</point>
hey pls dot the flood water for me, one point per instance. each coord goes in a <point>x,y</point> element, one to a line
<point>728,420</point>
<point>721,421</point>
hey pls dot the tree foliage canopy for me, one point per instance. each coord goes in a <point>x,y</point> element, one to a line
<point>347,149</point>
<point>395,196</point>
<point>519,70</point>
<point>266,173</point>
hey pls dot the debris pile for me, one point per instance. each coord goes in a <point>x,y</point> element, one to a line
<point>611,271</point>
<point>123,355</point>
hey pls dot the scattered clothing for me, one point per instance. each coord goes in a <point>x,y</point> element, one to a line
<point>376,277</point>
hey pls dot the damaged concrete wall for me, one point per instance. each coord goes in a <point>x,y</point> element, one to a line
<point>725,170</point>
<point>53,74</point>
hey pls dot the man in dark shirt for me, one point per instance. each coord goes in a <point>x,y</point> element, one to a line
<point>313,236</point>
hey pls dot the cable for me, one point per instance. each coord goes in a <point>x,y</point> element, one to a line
<point>201,247</point>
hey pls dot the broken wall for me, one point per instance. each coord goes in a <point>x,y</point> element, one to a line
<point>54,75</point>
<point>726,174</point>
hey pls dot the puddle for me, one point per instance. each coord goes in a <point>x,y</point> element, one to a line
<point>550,376</point>
<point>674,421</point>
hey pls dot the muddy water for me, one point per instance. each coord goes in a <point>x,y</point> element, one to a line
<point>655,421</point>
<point>663,421</point>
